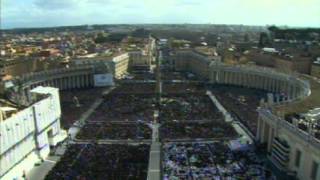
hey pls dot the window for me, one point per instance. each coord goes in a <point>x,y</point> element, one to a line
<point>314,170</point>
<point>298,157</point>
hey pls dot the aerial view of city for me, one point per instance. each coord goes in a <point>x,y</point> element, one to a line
<point>160,90</point>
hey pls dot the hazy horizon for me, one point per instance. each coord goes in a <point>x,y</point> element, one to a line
<point>55,13</point>
<point>133,24</point>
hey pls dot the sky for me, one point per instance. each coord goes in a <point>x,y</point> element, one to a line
<point>47,13</point>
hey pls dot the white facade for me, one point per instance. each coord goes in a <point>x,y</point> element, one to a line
<point>284,141</point>
<point>26,137</point>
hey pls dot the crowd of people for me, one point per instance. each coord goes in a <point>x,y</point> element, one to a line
<point>207,161</point>
<point>183,88</point>
<point>143,75</point>
<point>125,107</point>
<point>186,114</point>
<point>196,130</point>
<point>188,107</point>
<point>75,102</point>
<point>101,162</point>
<point>242,103</point>
<point>135,88</point>
<point>168,75</point>
<point>124,115</point>
<point>115,131</point>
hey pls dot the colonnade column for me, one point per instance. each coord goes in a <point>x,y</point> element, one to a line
<point>258,133</point>
<point>262,131</point>
<point>270,138</point>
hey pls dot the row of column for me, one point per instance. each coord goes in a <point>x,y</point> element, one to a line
<point>69,82</point>
<point>271,84</point>
<point>265,133</point>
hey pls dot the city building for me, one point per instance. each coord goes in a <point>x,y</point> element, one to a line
<point>27,134</point>
<point>295,64</point>
<point>195,62</point>
<point>285,63</point>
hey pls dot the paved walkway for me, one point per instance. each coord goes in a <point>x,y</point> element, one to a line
<point>245,137</point>
<point>155,132</point>
<point>73,131</point>
<point>108,141</point>
<point>154,170</point>
<point>225,113</point>
<point>40,172</point>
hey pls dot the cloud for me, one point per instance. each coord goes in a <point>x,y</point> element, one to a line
<point>190,2</point>
<point>55,4</point>
<point>99,1</point>
<point>39,13</point>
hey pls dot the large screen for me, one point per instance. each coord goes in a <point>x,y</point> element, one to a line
<point>101,80</point>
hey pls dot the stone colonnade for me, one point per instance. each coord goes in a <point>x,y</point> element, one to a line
<point>260,78</point>
<point>77,77</point>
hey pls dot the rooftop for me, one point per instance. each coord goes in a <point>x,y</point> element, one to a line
<point>97,57</point>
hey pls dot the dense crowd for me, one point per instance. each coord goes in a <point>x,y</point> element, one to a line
<point>75,102</point>
<point>168,75</point>
<point>101,162</point>
<point>188,107</point>
<point>241,103</point>
<point>206,161</point>
<point>186,114</point>
<point>183,88</point>
<point>135,88</point>
<point>125,107</point>
<point>143,75</point>
<point>196,130</point>
<point>114,131</point>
